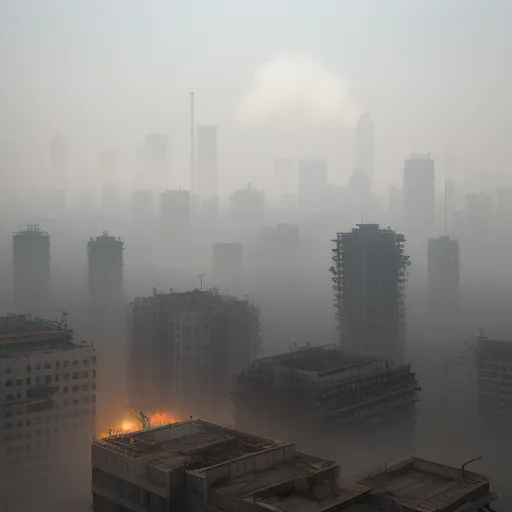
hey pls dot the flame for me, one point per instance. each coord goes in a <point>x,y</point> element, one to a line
<point>129,424</point>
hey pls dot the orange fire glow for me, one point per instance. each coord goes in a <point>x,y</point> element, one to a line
<point>129,423</point>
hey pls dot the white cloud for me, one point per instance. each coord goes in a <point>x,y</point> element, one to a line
<point>291,89</point>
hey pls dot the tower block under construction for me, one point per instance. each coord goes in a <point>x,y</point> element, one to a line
<point>369,276</point>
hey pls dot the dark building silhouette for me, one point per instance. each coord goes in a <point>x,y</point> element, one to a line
<point>365,145</point>
<point>312,185</point>
<point>207,160</point>
<point>184,349</point>
<point>31,270</point>
<point>315,386</point>
<point>443,278</point>
<point>105,258</point>
<point>369,278</point>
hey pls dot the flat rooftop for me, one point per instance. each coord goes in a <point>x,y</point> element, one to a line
<point>424,486</point>
<point>318,359</point>
<point>195,444</point>
<point>19,334</point>
<point>260,487</point>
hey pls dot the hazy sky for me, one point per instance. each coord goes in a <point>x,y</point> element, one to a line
<point>434,74</point>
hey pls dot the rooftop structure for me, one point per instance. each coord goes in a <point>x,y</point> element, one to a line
<point>196,466</point>
<point>47,408</point>
<point>31,269</point>
<point>418,485</point>
<point>369,278</point>
<point>318,384</point>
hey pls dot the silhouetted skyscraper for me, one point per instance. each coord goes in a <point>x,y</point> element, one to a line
<point>419,197</point>
<point>369,278</point>
<point>443,277</point>
<point>31,270</point>
<point>365,145</point>
<point>312,185</point>
<point>207,160</point>
<point>105,258</point>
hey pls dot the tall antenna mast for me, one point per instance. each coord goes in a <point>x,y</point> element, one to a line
<point>192,128</point>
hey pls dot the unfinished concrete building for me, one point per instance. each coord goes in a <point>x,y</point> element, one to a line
<point>199,466</point>
<point>31,270</point>
<point>369,276</point>
<point>47,408</point>
<point>105,266</point>
<point>184,349</point>
<point>320,387</point>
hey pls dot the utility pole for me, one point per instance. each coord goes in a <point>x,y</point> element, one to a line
<point>201,280</point>
<point>192,133</point>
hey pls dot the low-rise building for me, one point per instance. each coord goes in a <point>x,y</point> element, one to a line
<point>199,466</point>
<point>316,385</point>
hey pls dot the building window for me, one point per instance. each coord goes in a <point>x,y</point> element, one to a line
<point>8,383</point>
<point>75,362</point>
<point>76,375</point>
<point>47,366</point>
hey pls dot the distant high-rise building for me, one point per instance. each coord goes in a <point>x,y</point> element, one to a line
<point>369,278</point>
<point>443,277</point>
<point>156,159</point>
<point>207,160</point>
<point>31,270</point>
<point>185,348</point>
<point>247,201</point>
<point>365,145</point>
<point>47,418</point>
<point>175,211</point>
<point>312,185</point>
<point>419,197</point>
<point>228,259</point>
<point>105,258</point>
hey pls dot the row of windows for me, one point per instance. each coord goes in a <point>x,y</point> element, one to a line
<point>48,379</point>
<point>48,432</point>
<point>56,365</point>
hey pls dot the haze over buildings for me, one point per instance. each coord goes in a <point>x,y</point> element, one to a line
<point>227,208</point>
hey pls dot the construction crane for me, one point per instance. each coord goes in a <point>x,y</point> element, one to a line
<point>143,419</point>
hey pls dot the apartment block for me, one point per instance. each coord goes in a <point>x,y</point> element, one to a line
<point>47,406</point>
